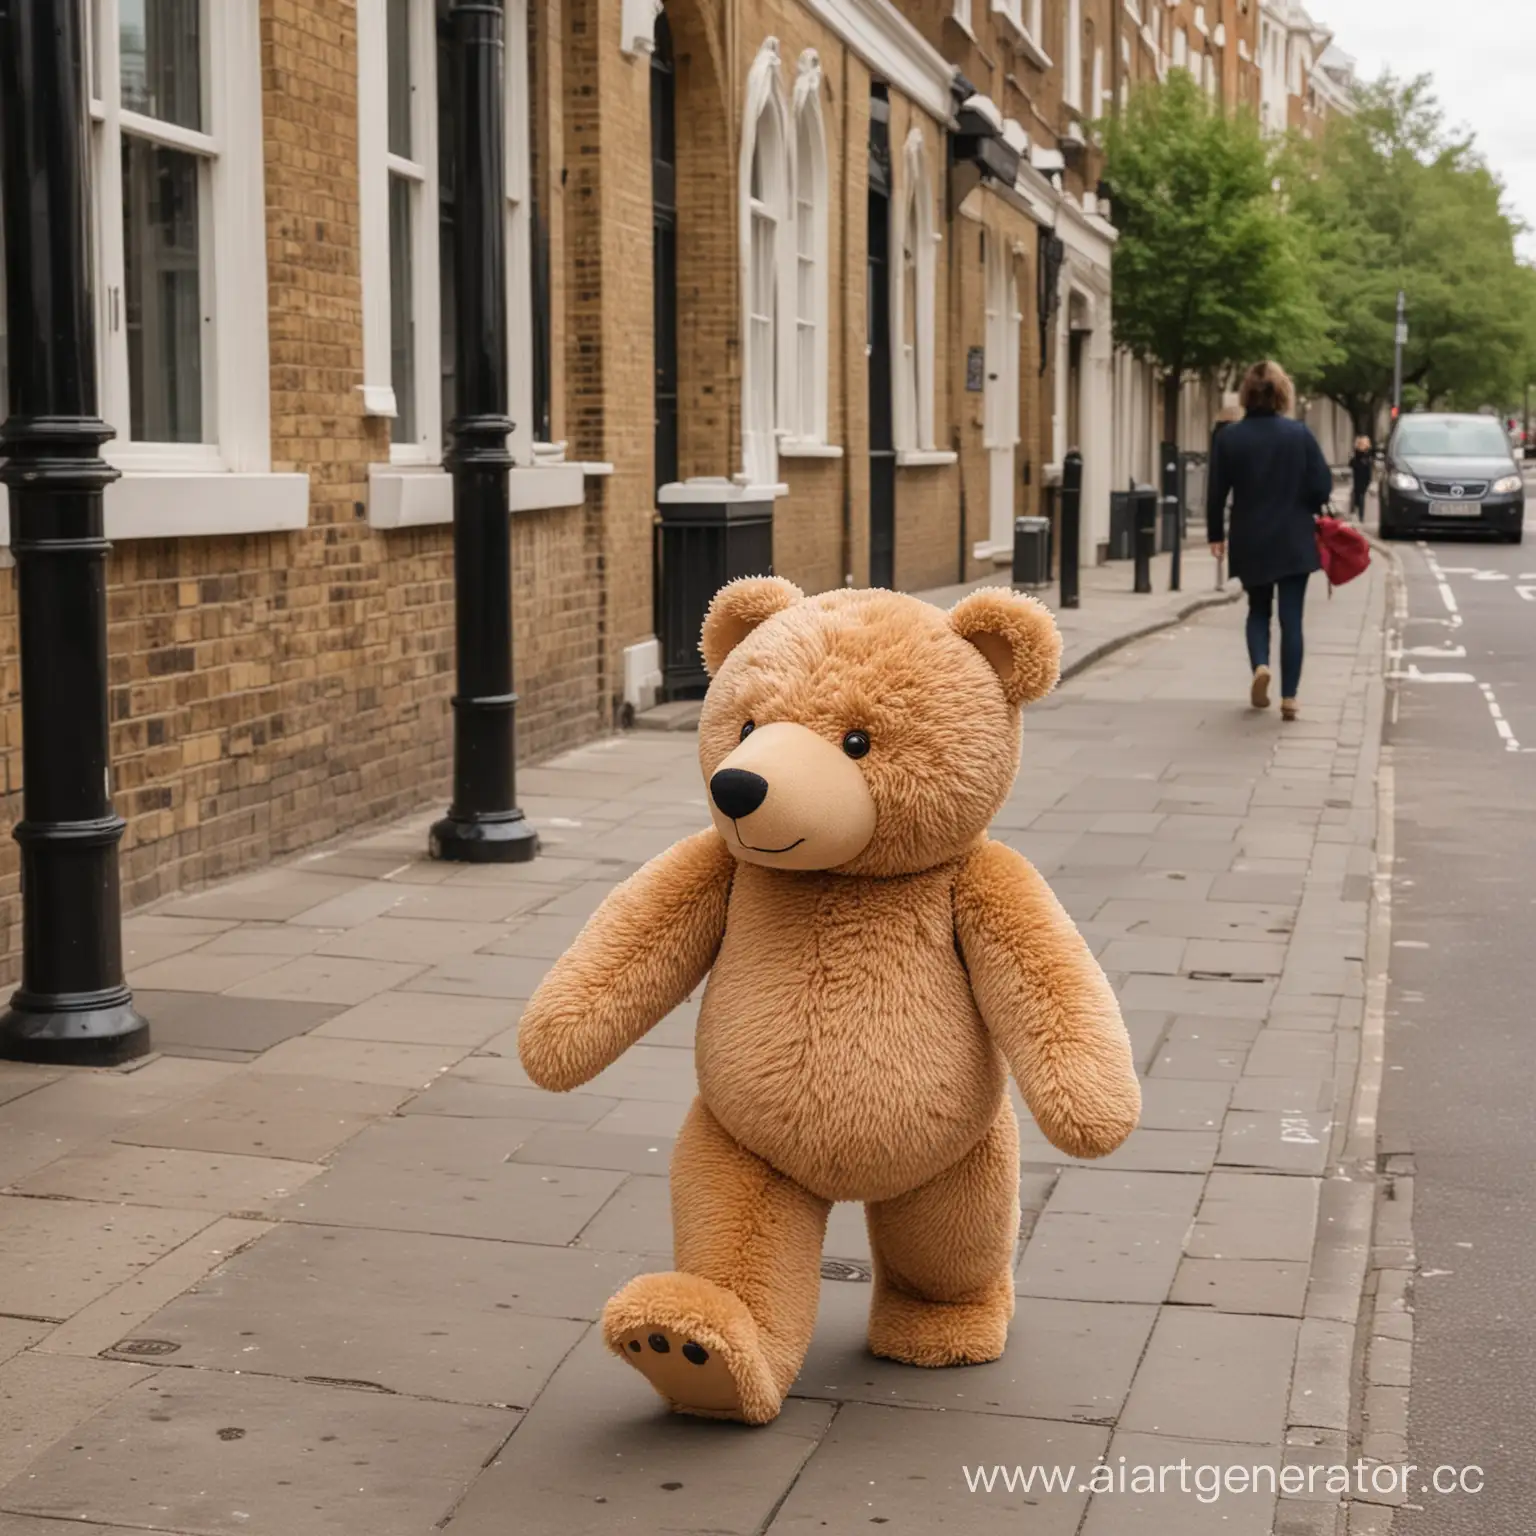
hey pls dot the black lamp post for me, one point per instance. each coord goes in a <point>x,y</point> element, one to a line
<point>73,1004</point>
<point>483,824</point>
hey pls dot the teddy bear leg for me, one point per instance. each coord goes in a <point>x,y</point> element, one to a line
<point>724,1334</point>
<point>943,1292</point>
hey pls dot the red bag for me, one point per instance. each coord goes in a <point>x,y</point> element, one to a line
<point>1343,549</point>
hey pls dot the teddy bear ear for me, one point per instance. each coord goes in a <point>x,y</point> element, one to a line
<point>1018,637</point>
<point>738,608</point>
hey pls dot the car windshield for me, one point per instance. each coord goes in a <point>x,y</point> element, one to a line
<point>1454,437</point>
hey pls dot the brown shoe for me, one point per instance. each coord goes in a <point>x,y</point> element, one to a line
<point>1258,694</point>
<point>1288,710</point>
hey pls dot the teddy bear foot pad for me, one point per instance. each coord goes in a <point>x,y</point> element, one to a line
<point>696,1343</point>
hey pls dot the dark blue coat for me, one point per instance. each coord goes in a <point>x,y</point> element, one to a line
<point>1278,480</point>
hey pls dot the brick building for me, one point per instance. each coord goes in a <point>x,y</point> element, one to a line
<point>845,259</point>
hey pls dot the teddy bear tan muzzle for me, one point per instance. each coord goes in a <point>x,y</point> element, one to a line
<point>789,799</point>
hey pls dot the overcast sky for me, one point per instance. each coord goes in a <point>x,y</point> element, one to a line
<point>1482,54</point>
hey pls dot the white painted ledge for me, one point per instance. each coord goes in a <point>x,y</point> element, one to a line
<point>790,449</point>
<point>411,496</point>
<point>709,490</point>
<point>154,505</point>
<point>924,458</point>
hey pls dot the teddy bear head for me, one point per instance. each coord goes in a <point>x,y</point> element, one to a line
<point>865,732</point>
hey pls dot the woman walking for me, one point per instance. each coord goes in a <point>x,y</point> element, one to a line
<point>1278,481</point>
<point>1362,464</point>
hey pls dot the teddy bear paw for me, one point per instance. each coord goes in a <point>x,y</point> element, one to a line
<point>941,1333</point>
<point>696,1343</point>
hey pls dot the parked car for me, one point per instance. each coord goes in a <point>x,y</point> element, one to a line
<point>1446,471</point>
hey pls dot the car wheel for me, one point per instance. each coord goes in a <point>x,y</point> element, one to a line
<point>1387,533</point>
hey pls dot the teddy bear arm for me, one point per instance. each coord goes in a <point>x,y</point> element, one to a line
<point>641,953</point>
<point>1047,1004</point>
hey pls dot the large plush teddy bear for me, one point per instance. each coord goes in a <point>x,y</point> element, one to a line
<point>876,968</point>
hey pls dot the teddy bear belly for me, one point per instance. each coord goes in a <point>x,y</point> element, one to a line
<point>856,1099</point>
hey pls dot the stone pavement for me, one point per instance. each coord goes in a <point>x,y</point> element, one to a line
<point>1110,614</point>
<point>329,1265</point>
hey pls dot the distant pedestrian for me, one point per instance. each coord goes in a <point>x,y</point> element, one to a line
<point>1278,480</point>
<point>1362,465</point>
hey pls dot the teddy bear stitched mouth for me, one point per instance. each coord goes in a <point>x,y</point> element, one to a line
<point>752,847</point>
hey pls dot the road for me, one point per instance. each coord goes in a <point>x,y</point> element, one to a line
<point>1460,1086</point>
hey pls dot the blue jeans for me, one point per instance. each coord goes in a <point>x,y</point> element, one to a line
<point>1261,603</point>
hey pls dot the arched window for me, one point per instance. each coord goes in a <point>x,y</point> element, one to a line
<point>765,227</point>
<point>913,296</point>
<point>808,411</point>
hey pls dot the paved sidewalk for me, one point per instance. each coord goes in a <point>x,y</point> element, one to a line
<point>329,1265</point>
<point>1111,614</point>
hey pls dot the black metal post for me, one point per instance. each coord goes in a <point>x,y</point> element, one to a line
<point>1173,512</point>
<point>1071,526</point>
<point>483,824</point>
<point>73,1005</point>
<point>1144,534</point>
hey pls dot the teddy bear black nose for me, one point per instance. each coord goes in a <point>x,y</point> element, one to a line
<point>737,792</point>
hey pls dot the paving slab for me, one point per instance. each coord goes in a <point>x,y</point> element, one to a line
<point>43,1397</point>
<point>1289,1142</point>
<point>383,1063</point>
<point>239,1026</point>
<point>216,1183</point>
<point>434,1173</point>
<point>268,1114</point>
<point>322,979</point>
<point>1194,1499</point>
<point>57,1256</point>
<point>406,1018</point>
<point>455,1319</point>
<point>195,1452</point>
<point>562,1146</point>
<point>1213,1375</point>
<point>1256,1216</point>
<point>1069,1360</point>
<point>599,1452</point>
<point>905,1472</point>
<point>505,976</point>
<point>1272,1286</point>
<point>1102,1257</point>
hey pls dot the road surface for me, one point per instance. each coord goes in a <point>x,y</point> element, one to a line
<point>1460,1085</point>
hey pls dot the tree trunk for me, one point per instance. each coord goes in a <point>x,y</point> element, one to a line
<point>1172,382</point>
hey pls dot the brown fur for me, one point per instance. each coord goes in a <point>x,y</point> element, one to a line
<point>861,1015</point>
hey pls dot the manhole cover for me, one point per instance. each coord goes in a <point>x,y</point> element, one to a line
<point>146,1347</point>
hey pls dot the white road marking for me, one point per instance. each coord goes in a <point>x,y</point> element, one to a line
<point>1500,724</point>
<point>1414,675</point>
<point>1528,593</point>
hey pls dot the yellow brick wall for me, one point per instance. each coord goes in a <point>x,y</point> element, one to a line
<point>269,691</point>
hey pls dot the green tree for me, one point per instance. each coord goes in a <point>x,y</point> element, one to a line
<point>1390,200</point>
<point>1209,273</point>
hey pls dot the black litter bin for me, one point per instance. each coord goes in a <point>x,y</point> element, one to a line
<point>708,533</point>
<point>1121,539</point>
<point>1031,552</point>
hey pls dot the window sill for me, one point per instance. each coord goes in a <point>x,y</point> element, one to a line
<point>791,449</point>
<point>163,505</point>
<point>1022,41</point>
<point>924,458</point>
<point>403,496</point>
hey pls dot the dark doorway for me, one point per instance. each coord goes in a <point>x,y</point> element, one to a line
<point>1075,342</point>
<point>664,248</point>
<point>882,440</point>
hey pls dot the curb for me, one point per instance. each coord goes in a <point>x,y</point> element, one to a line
<point>1116,642</point>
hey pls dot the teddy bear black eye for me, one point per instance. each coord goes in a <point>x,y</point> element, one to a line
<point>747,730</point>
<point>856,744</point>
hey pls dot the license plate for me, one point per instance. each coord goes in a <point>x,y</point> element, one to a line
<point>1455,509</point>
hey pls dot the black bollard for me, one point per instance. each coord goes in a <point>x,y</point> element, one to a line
<point>1144,534</point>
<point>483,824</point>
<point>73,1004</point>
<point>1071,526</point>
<point>1173,513</point>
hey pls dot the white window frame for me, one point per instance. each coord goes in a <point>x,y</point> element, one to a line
<point>765,376</point>
<point>807,421</point>
<point>413,487</point>
<point>1180,48</point>
<point>912,211</point>
<point>1072,80</point>
<point>224,484</point>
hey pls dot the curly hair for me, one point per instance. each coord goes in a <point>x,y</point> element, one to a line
<point>1267,390</point>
